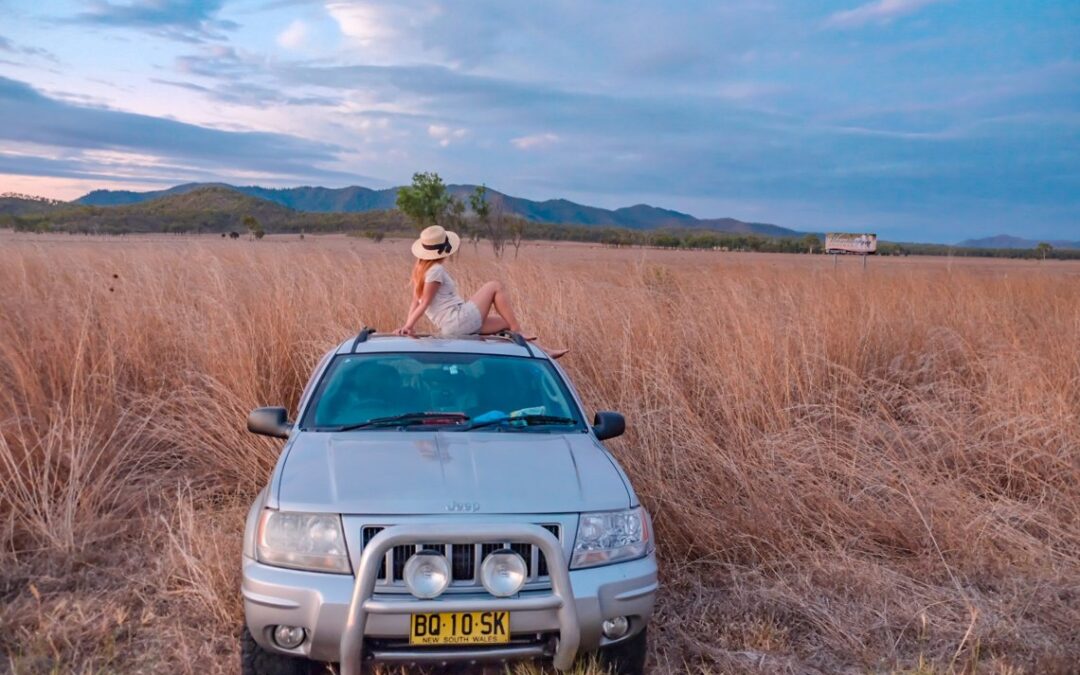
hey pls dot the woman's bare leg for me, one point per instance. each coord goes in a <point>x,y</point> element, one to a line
<point>493,294</point>
<point>493,325</point>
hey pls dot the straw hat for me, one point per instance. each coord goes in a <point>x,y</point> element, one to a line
<point>434,243</point>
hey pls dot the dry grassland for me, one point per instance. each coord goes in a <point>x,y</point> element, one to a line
<point>848,471</point>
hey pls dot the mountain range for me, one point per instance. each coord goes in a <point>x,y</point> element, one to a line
<point>356,199</point>
<point>207,209</point>
<point>324,209</point>
<point>1008,241</point>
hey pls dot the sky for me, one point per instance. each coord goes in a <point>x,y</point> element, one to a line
<point>920,120</point>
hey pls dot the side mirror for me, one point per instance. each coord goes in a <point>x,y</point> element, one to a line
<point>270,422</point>
<point>608,425</point>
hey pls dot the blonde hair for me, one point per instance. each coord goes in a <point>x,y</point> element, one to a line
<point>419,271</point>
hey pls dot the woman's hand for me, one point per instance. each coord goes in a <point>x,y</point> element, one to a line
<point>417,308</point>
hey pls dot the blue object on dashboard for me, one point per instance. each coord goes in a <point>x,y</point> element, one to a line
<point>490,416</point>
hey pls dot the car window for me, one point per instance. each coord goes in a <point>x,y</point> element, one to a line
<point>311,382</point>
<point>362,387</point>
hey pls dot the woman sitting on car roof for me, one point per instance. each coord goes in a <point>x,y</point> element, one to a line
<point>435,295</point>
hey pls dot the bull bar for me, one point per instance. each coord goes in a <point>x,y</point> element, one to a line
<point>362,604</point>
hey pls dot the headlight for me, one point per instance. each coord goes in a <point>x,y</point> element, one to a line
<point>303,541</point>
<point>503,573</point>
<point>611,536</point>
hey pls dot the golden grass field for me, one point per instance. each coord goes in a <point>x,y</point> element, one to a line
<point>849,471</point>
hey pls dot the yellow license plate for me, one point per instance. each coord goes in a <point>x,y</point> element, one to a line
<point>460,628</point>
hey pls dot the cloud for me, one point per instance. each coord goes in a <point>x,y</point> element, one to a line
<point>735,101</point>
<point>218,61</point>
<point>84,166</point>
<point>683,143</point>
<point>746,91</point>
<point>249,94</point>
<point>10,47</point>
<point>78,135</point>
<point>294,36</point>
<point>438,31</point>
<point>519,107</point>
<point>240,79</point>
<point>188,20</point>
<point>534,141</point>
<point>444,134</point>
<point>367,23</point>
<point>879,11</point>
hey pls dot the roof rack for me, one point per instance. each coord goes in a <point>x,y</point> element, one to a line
<point>362,336</point>
<point>367,331</point>
<point>517,339</point>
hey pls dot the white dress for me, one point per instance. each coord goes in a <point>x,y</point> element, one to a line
<point>447,310</point>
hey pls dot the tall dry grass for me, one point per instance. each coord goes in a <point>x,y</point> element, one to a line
<point>848,471</point>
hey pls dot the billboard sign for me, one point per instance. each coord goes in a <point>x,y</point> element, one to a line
<point>845,242</point>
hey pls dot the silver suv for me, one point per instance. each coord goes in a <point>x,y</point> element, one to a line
<point>443,501</point>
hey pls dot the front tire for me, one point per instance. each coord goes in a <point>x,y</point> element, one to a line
<point>627,657</point>
<point>254,660</point>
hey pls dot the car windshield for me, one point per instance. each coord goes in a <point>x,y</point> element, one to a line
<point>446,391</point>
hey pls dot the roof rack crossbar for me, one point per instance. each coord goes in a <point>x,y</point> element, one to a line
<point>517,339</point>
<point>362,336</point>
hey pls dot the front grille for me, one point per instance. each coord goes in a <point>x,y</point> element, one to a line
<point>465,559</point>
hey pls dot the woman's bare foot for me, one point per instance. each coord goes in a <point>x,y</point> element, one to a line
<point>555,353</point>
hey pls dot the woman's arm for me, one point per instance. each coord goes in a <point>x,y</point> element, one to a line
<point>419,306</point>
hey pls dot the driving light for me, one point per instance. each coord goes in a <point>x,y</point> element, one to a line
<point>611,536</point>
<point>303,541</point>
<point>289,637</point>
<point>427,574</point>
<point>616,628</point>
<point>503,573</point>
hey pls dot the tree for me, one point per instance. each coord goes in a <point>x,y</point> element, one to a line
<point>489,218</point>
<point>1044,249</point>
<point>454,217</point>
<point>425,201</point>
<point>517,231</point>
<point>254,227</point>
<point>665,240</point>
<point>479,203</point>
<point>475,235</point>
<point>481,208</point>
<point>497,228</point>
<point>811,243</point>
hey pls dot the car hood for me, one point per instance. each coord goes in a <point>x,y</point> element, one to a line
<point>393,472</point>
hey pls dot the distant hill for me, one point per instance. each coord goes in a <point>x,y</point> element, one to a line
<point>203,209</point>
<point>360,199</point>
<point>1007,241</point>
<point>210,200</point>
<point>12,204</point>
<point>316,199</point>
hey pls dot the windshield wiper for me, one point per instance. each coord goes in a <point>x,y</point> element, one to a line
<point>405,419</point>
<point>527,420</point>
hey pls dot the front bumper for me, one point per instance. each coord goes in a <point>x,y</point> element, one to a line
<point>340,612</point>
